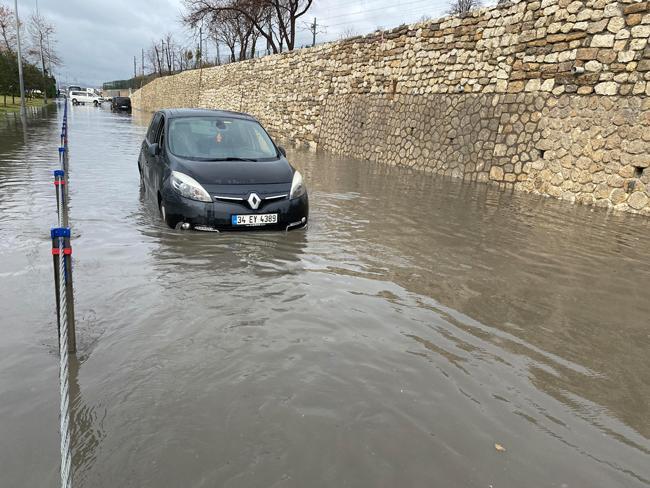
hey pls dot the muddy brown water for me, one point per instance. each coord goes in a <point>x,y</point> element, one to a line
<point>418,322</point>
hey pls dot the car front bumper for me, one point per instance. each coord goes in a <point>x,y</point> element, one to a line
<point>217,215</point>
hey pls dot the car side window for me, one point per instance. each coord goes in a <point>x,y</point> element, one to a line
<point>153,128</point>
<point>161,133</point>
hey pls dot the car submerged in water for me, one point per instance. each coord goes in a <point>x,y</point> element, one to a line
<point>215,170</point>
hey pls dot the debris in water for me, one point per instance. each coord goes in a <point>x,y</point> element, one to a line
<point>499,447</point>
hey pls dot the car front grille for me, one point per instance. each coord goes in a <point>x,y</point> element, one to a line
<point>243,200</point>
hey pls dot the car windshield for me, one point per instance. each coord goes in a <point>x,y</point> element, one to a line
<point>220,138</point>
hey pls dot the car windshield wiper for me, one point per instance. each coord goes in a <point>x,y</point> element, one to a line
<point>235,159</point>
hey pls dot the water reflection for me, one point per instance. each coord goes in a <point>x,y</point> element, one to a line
<point>86,424</point>
<point>524,265</point>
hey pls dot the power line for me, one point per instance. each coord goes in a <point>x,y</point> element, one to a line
<point>416,11</point>
<point>383,9</point>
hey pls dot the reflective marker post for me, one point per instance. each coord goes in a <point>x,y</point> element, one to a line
<point>55,261</point>
<point>59,180</point>
<point>61,244</point>
<point>62,157</point>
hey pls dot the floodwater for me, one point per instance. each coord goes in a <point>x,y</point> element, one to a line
<point>418,322</point>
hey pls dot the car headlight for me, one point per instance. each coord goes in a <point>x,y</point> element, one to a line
<point>298,188</point>
<point>188,187</point>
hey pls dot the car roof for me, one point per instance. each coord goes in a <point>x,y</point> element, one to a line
<point>202,112</point>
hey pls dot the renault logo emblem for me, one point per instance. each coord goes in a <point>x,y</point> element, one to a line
<point>254,200</point>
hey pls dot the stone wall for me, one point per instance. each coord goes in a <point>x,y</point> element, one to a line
<point>550,96</point>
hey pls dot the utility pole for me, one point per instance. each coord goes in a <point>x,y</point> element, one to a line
<point>135,69</point>
<point>142,64</point>
<point>268,42</point>
<point>313,32</point>
<point>23,107</point>
<point>201,47</point>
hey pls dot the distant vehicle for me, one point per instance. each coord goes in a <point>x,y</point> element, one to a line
<point>74,88</point>
<point>84,97</point>
<point>121,104</point>
<point>215,170</point>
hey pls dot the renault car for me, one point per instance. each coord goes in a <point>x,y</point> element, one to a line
<point>215,170</point>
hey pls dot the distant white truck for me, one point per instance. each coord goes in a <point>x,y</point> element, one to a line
<point>84,97</point>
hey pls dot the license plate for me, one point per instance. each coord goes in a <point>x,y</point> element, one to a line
<point>255,219</point>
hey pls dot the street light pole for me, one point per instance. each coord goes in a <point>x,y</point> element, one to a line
<point>23,108</point>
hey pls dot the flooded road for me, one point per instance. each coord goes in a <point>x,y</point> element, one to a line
<point>418,322</point>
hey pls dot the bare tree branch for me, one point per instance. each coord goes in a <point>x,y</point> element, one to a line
<point>463,7</point>
<point>7,29</point>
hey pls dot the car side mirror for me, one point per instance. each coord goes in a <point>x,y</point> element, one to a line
<point>282,151</point>
<point>154,149</point>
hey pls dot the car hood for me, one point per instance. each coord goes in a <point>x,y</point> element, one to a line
<point>236,172</point>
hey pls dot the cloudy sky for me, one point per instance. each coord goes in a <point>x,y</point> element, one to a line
<point>97,39</point>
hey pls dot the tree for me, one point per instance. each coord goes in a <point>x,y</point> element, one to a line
<point>8,74</point>
<point>7,29</point>
<point>222,30</point>
<point>32,75</point>
<point>274,20</point>
<point>42,38</point>
<point>237,32</point>
<point>347,33</point>
<point>154,56</point>
<point>463,7</point>
<point>181,55</point>
<point>168,47</point>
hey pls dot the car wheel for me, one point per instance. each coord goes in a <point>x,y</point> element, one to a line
<point>74,101</point>
<point>95,103</point>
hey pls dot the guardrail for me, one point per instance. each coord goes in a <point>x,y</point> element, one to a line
<point>62,261</point>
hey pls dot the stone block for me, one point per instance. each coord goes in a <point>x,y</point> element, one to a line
<point>635,8</point>
<point>606,56</point>
<point>617,196</point>
<point>633,19</point>
<point>626,56</point>
<point>640,31</point>
<point>615,24</point>
<point>593,66</point>
<point>496,173</point>
<point>587,53</point>
<point>637,200</point>
<point>603,40</point>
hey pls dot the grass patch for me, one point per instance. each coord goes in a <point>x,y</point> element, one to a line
<point>15,107</point>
